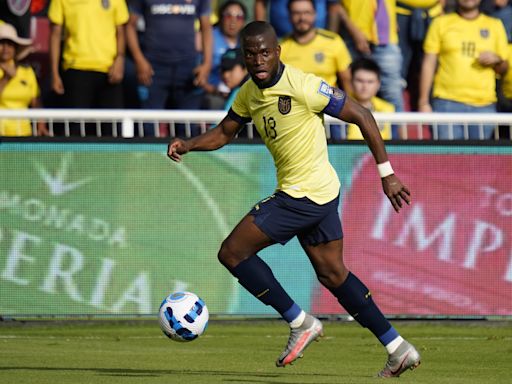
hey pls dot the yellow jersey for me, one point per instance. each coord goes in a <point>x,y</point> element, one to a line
<point>507,79</point>
<point>363,15</point>
<point>18,94</point>
<point>435,8</point>
<point>458,42</point>
<point>90,31</point>
<point>325,56</point>
<point>289,118</point>
<point>378,105</point>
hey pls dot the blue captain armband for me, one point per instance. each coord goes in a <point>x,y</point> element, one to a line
<point>336,97</point>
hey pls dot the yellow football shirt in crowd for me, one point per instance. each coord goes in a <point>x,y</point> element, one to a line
<point>378,105</point>
<point>458,42</point>
<point>362,14</point>
<point>90,31</point>
<point>18,94</point>
<point>324,56</point>
<point>435,8</point>
<point>289,118</point>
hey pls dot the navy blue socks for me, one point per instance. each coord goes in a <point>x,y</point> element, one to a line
<point>357,300</point>
<point>257,277</point>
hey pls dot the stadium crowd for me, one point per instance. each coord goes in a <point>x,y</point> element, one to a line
<point>390,55</point>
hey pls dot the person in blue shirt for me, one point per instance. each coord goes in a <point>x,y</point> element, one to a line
<point>279,17</point>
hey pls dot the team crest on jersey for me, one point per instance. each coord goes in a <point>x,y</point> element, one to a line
<point>105,4</point>
<point>484,33</point>
<point>319,57</point>
<point>284,104</point>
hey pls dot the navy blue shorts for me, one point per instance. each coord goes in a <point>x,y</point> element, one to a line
<point>281,217</point>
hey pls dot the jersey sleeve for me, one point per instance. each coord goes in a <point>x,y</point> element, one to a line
<point>239,111</point>
<point>502,41</point>
<point>432,43</point>
<point>204,8</point>
<point>56,12</point>
<point>121,13</point>
<point>323,98</point>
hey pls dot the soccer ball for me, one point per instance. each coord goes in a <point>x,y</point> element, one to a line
<point>183,316</point>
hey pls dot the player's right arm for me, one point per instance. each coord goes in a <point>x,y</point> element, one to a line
<point>211,140</point>
<point>355,113</point>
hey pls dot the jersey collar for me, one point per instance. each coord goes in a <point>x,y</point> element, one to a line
<point>276,78</point>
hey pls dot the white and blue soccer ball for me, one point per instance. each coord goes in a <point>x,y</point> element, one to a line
<point>183,316</point>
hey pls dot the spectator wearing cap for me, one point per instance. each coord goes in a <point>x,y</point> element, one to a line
<point>18,84</point>
<point>234,73</point>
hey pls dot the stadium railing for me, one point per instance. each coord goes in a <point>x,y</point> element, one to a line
<point>140,123</point>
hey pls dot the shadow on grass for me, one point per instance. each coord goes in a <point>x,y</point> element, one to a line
<point>231,376</point>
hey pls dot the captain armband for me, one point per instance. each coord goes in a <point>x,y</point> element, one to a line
<point>336,97</point>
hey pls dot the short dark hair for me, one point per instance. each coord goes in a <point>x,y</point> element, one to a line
<point>256,28</point>
<point>293,1</point>
<point>222,8</point>
<point>365,63</point>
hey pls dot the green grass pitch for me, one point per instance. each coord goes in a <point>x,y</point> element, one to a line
<point>244,352</point>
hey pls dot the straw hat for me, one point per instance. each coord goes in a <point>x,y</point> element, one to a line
<point>8,32</point>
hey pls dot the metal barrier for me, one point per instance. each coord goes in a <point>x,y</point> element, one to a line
<point>186,123</point>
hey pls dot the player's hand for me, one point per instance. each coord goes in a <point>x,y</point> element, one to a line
<point>176,148</point>
<point>396,192</point>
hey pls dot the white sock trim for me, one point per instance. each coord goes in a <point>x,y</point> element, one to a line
<point>298,320</point>
<point>393,345</point>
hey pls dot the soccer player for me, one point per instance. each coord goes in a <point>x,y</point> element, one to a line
<point>287,107</point>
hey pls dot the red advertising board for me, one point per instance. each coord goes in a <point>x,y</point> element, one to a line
<point>448,253</point>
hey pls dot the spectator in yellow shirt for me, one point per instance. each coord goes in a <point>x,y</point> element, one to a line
<point>18,84</point>
<point>365,85</point>
<point>464,51</point>
<point>315,50</point>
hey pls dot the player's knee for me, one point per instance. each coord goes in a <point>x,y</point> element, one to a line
<point>332,277</point>
<point>228,256</point>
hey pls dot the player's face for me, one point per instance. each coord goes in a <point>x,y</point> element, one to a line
<point>366,84</point>
<point>302,16</point>
<point>261,55</point>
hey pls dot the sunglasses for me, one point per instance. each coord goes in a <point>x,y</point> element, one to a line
<point>232,15</point>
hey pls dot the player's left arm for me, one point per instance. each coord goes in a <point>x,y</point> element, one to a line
<point>394,189</point>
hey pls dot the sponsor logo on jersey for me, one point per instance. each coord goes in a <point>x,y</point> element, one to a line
<point>173,9</point>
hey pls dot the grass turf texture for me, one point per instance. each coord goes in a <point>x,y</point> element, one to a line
<point>244,352</point>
